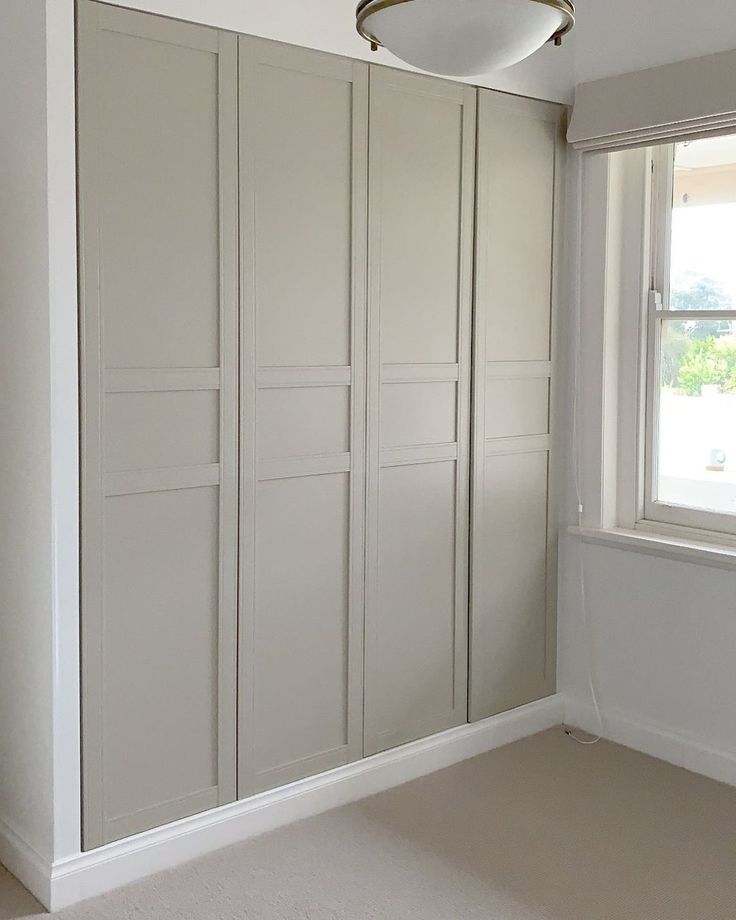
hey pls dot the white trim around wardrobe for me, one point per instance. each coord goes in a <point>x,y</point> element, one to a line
<point>101,870</point>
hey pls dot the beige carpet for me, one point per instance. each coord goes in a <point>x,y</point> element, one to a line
<point>541,830</point>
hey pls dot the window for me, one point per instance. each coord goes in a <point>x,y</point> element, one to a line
<point>690,452</point>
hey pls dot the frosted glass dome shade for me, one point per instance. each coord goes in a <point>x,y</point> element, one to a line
<point>463,38</point>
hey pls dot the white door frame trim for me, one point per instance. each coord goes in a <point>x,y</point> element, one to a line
<point>61,155</point>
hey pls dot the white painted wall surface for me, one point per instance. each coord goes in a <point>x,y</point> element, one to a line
<point>609,38</point>
<point>329,25</point>
<point>25,475</point>
<point>618,37</point>
<point>661,639</point>
<point>659,636</point>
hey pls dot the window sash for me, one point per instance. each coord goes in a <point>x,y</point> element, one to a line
<point>658,313</point>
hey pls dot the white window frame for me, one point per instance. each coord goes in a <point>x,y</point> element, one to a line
<point>655,514</point>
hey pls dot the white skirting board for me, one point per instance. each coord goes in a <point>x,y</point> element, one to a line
<point>658,741</point>
<point>89,874</point>
<point>25,863</point>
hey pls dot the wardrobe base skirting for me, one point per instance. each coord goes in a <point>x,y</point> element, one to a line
<point>96,872</point>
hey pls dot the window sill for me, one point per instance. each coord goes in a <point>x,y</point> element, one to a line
<point>666,547</point>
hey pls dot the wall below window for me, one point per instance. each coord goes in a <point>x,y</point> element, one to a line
<point>660,636</point>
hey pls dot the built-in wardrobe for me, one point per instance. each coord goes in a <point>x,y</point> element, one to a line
<point>317,304</point>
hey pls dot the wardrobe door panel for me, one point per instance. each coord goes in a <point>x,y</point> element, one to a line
<point>420,265</point>
<point>514,583</point>
<point>156,119</point>
<point>419,413</point>
<point>513,586</point>
<point>519,144</point>
<point>302,138</point>
<point>416,215</point>
<point>158,250</point>
<point>299,421</point>
<point>301,632</point>
<point>516,407</point>
<point>303,125</point>
<point>161,604</point>
<point>413,635</point>
<point>143,429</point>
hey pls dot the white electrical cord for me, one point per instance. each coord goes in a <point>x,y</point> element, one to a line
<point>577,361</point>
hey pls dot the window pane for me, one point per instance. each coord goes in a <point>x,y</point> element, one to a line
<point>703,267</point>
<point>697,415</point>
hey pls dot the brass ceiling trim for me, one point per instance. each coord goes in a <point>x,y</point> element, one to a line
<point>366,8</point>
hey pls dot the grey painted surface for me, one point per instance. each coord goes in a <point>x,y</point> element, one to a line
<point>355,374</point>
<point>303,124</point>
<point>157,121</point>
<point>513,620</point>
<point>422,149</point>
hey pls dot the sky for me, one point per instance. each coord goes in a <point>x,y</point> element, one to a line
<point>704,243</point>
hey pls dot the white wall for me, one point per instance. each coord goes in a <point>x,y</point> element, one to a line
<point>661,639</point>
<point>618,36</point>
<point>657,635</point>
<point>39,592</point>
<point>25,481</point>
<point>329,25</point>
<point>609,38</point>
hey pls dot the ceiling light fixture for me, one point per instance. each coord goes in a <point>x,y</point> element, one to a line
<point>463,38</point>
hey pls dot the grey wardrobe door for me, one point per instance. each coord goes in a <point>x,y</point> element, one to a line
<point>303,145</point>
<point>513,622</point>
<point>158,205</point>
<point>422,154</point>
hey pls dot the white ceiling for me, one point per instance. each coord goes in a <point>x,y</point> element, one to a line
<point>611,36</point>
